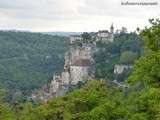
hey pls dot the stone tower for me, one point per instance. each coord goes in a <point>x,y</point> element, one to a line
<point>112,32</point>
<point>112,29</point>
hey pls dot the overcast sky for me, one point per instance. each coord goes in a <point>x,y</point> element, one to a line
<point>73,15</point>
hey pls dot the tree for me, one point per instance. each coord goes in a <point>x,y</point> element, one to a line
<point>147,74</point>
<point>152,35</point>
<point>103,100</point>
<point>128,57</point>
<point>87,38</point>
<point>147,68</point>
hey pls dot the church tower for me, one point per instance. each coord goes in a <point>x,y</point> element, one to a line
<point>112,33</point>
<point>112,29</point>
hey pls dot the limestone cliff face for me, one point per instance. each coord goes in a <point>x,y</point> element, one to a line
<point>79,66</point>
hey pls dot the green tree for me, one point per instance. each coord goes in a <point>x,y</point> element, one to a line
<point>128,57</point>
<point>152,35</point>
<point>147,74</point>
<point>87,38</point>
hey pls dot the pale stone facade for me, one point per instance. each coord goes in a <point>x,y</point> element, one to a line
<point>65,76</point>
<point>78,74</point>
<point>81,70</point>
<point>105,35</point>
<point>55,85</point>
<point>75,38</point>
<point>119,69</point>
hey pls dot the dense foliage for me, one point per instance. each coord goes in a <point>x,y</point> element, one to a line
<point>104,100</point>
<point>28,60</point>
<point>146,74</point>
<point>100,101</point>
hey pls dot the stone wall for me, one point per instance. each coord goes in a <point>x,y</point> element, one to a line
<point>79,73</point>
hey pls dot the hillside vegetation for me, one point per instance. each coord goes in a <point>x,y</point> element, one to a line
<point>102,100</point>
<point>29,60</point>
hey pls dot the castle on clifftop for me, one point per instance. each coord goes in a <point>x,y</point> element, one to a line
<point>101,35</point>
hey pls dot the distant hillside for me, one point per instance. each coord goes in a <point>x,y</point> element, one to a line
<point>66,34</point>
<point>28,60</point>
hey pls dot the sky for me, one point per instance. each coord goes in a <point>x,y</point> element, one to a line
<point>74,15</point>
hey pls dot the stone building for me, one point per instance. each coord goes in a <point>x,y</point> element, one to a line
<point>81,69</point>
<point>55,85</point>
<point>79,63</point>
<point>105,35</point>
<point>102,35</point>
<point>79,66</point>
<point>75,38</point>
<point>119,69</point>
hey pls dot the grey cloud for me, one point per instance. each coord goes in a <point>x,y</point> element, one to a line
<point>36,9</point>
<point>68,9</point>
<point>114,8</point>
<point>71,12</point>
<point>24,4</point>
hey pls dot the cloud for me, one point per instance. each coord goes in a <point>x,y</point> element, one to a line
<point>69,15</point>
<point>43,9</point>
<point>114,8</point>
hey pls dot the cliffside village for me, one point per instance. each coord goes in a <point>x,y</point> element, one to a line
<point>79,65</point>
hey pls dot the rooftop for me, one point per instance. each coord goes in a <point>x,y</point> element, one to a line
<point>82,62</point>
<point>103,31</point>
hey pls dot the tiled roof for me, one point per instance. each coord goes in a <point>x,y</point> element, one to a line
<point>82,62</point>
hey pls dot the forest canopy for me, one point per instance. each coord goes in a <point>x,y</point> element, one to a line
<point>29,60</point>
<point>103,100</point>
